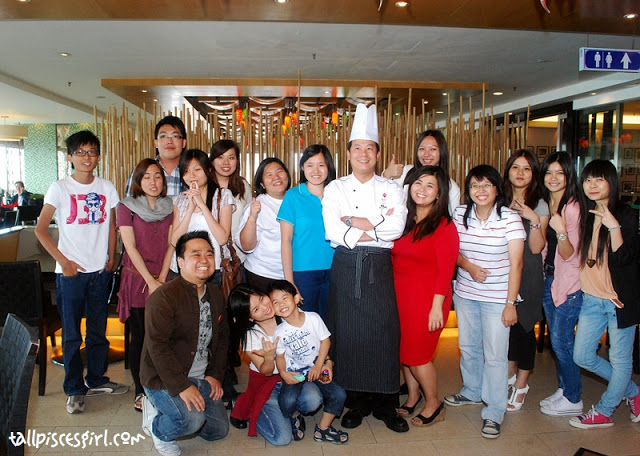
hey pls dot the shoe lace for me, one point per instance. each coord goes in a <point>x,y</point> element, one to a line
<point>591,414</point>
<point>631,402</point>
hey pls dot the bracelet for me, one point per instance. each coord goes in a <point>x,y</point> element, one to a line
<point>513,303</point>
<point>562,236</point>
<point>615,227</point>
<point>534,226</point>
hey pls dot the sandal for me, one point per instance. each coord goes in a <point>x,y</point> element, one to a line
<point>137,403</point>
<point>512,404</point>
<point>298,427</point>
<point>330,434</point>
<point>422,421</point>
<point>406,411</point>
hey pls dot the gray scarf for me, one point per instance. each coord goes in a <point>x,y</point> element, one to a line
<point>140,206</point>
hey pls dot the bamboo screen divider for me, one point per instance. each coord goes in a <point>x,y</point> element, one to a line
<point>472,141</point>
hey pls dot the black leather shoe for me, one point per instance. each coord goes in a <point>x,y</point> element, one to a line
<point>392,420</point>
<point>238,424</point>
<point>352,419</point>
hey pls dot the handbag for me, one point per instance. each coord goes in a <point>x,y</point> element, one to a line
<point>230,266</point>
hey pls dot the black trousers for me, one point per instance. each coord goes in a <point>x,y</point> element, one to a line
<point>136,329</point>
<point>370,402</point>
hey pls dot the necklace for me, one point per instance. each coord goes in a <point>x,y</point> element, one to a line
<point>591,262</point>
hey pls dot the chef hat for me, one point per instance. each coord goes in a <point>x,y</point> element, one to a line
<point>365,124</point>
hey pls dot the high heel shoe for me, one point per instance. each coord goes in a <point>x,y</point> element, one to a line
<point>422,421</point>
<point>512,404</point>
<point>406,411</point>
<point>511,382</point>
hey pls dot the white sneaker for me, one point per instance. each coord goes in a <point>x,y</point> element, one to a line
<point>562,407</point>
<point>149,412</point>
<point>108,388</point>
<point>557,395</point>
<point>166,448</point>
<point>75,404</point>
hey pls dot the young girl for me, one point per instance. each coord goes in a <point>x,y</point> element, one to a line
<point>144,221</point>
<point>608,274</point>
<point>197,208</point>
<point>302,230</point>
<point>254,319</point>
<point>522,192</point>
<point>301,357</point>
<point>562,297</point>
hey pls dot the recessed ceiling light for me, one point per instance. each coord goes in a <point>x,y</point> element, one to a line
<point>510,113</point>
<point>594,93</point>
<point>445,93</point>
<point>24,1</point>
<point>327,92</point>
<point>439,112</point>
<point>630,16</point>
<point>426,102</point>
<point>64,54</point>
<point>144,90</point>
<point>401,4</point>
<point>281,1</point>
<point>155,99</point>
<point>497,94</point>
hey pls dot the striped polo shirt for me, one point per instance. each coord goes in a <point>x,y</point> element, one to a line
<point>488,247</point>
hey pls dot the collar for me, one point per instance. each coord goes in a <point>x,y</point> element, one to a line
<point>493,215</point>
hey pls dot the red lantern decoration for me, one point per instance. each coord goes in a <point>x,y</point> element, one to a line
<point>284,130</point>
<point>301,142</point>
<point>294,117</point>
<point>334,117</point>
<point>287,121</point>
<point>238,115</point>
<point>324,124</point>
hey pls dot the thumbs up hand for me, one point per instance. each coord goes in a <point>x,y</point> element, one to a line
<point>394,170</point>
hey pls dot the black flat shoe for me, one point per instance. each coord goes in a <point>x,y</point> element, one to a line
<point>238,424</point>
<point>352,419</point>
<point>392,420</point>
<point>409,410</point>
<point>436,416</point>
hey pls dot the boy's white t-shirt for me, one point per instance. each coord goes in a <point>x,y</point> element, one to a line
<point>83,215</point>
<point>301,346</point>
<point>254,342</point>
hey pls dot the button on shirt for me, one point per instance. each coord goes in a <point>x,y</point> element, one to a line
<point>372,200</point>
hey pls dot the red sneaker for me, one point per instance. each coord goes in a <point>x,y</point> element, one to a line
<point>592,420</point>
<point>634,405</point>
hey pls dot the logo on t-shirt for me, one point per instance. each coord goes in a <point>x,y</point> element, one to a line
<point>93,209</point>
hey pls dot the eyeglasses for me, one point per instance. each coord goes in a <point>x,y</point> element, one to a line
<point>164,137</point>
<point>83,153</point>
<point>481,186</point>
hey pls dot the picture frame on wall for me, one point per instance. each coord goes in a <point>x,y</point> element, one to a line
<point>627,187</point>
<point>553,149</point>
<point>543,151</point>
<point>630,170</point>
<point>637,155</point>
<point>628,153</point>
<point>531,149</point>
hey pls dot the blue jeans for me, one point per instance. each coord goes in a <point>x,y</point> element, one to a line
<point>596,315</point>
<point>332,393</point>
<point>314,287</point>
<point>273,425</point>
<point>562,322</point>
<point>484,343</point>
<point>78,295</point>
<point>175,420</point>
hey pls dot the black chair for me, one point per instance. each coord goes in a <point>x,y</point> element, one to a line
<point>18,350</point>
<point>27,214</point>
<point>22,293</point>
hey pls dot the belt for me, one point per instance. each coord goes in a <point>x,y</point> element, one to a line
<point>362,252</point>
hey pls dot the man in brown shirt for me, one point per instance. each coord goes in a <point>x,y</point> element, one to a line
<point>185,351</point>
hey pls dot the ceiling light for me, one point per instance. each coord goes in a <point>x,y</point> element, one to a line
<point>401,4</point>
<point>594,93</point>
<point>64,54</point>
<point>445,93</point>
<point>630,16</point>
<point>439,112</point>
<point>497,94</point>
<point>426,102</point>
<point>12,132</point>
<point>144,90</point>
<point>155,99</point>
<point>281,1</point>
<point>327,92</point>
<point>24,1</point>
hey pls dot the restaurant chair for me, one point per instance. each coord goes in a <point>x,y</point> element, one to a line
<point>22,293</point>
<point>27,214</point>
<point>18,350</point>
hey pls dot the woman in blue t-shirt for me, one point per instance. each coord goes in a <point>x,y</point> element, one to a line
<point>306,254</point>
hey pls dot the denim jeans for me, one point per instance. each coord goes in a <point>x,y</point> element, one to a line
<point>484,343</point>
<point>596,315</point>
<point>175,420</point>
<point>562,321</point>
<point>78,295</point>
<point>332,393</point>
<point>273,425</point>
<point>314,287</point>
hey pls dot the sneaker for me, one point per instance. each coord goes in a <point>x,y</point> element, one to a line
<point>457,400</point>
<point>591,420</point>
<point>108,388</point>
<point>557,395</point>
<point>634,404</point>
<point>490,429</point>
<point>75,404</point>
<point>562,407</point>
<point>149,412</point>
<point>166,448</point>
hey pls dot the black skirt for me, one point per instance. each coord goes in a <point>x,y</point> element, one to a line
<point>363,319</point>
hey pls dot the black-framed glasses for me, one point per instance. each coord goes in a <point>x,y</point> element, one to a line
<point>83,153</point>
<point>164,137</point>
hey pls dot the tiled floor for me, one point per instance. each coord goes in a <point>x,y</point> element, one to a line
<point>527,432</point>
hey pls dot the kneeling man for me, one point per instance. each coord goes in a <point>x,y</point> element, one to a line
<point>185,351</point>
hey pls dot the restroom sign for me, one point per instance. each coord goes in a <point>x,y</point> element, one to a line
<point>596,59</point>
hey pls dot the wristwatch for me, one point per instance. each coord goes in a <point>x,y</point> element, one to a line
<point>513,303</point>
<point>348,221</point>
<point>562,236</point>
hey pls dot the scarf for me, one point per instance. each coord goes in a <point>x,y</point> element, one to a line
<point>140,206</point>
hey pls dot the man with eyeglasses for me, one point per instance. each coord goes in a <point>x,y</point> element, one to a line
<point>85,206</point>
<point>170,141</point>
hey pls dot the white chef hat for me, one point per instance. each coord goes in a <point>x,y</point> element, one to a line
<point>365,124</point>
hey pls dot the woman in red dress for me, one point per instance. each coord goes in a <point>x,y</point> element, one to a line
<point>424,259</point>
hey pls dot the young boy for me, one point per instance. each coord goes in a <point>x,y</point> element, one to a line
<point>301,355</point>
<point>85,207</point>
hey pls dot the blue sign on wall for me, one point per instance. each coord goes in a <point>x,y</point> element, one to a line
<point>594,59</point>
